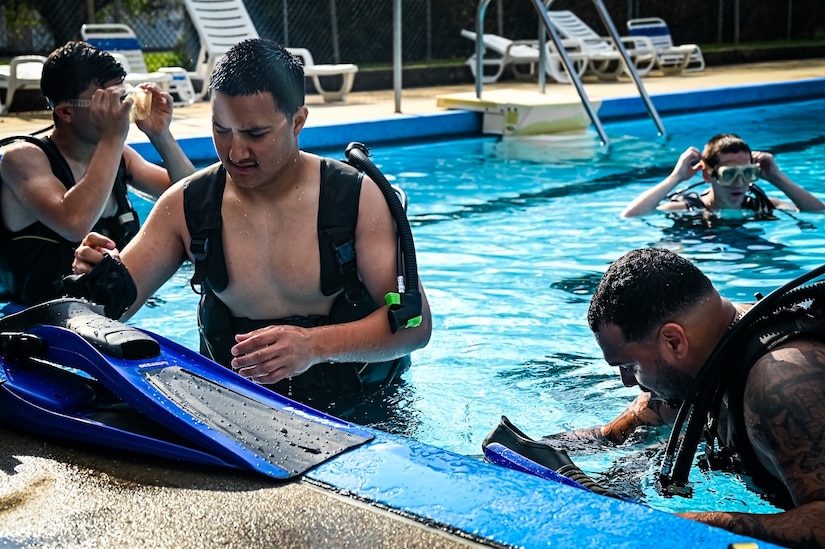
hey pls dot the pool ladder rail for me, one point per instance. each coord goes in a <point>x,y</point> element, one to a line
<point>549,28</point>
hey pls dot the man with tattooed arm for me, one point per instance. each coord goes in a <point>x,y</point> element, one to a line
<point>658,319</point>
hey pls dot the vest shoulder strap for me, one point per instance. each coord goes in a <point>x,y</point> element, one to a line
<point>58,163</point>
<point>337,218</point>
<point>339,198</point>
<point>202,197</point>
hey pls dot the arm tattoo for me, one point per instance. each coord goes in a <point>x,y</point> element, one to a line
<point>785,403</point>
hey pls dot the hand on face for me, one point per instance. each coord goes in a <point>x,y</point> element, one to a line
<point>108,113</point>
<point>271,354</point>
<point>767,162</point>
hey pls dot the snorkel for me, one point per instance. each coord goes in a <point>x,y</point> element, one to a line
<point>405,304</point>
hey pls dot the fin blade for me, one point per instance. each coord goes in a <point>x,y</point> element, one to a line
<point>222,413</point>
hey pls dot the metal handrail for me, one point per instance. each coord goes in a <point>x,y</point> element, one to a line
<point>549,28</point>
<point>631,67</point>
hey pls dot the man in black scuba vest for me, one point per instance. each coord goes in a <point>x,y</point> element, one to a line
<point>732,169</point>
<point>294,254</point>
<point>57,189</point>
<point>660,321</point>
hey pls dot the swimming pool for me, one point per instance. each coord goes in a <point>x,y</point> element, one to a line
<point>512,237</point>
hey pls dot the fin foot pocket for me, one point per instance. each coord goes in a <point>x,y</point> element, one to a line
<point>509,436</point>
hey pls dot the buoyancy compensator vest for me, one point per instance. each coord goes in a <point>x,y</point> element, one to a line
<point>337,216</point>
<point>756,201</point>
<point>715,410</point>
<point>34,259</point>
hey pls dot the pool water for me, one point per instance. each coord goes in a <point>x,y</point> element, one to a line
<point>512,238</point>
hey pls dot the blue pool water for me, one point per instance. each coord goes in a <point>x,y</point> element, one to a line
<point>512,238</point>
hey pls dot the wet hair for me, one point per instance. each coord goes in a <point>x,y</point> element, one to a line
<point>644,289</point>
<point>723,143</point>
<point>72,68</point>
<point>260,65</point>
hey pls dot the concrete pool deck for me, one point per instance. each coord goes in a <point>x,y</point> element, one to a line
<point>392,492</point>
<point>370,117</point>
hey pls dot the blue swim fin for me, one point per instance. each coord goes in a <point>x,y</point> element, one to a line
<point>208,414</point>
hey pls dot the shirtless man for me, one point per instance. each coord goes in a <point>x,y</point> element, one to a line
<point>266,313</point>
<point>658,319</point>
<point>729,166</point>
<point>56,190</point>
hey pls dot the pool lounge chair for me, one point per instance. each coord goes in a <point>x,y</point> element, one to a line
<point>22,73</point>
<point>223,23</point>
<point>346,71</point>
<point>604,60</point>
<point>122,42</point>
<point>669,57</point>
<point>522,56</point>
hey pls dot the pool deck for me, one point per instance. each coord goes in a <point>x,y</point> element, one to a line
<point>371,117</point>
<point>391,492</point>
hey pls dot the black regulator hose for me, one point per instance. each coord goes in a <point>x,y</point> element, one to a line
<point>709,384</point>
<point>404,306</point>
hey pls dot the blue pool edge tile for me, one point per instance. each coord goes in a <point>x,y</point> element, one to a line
<point>464,123</point>
<point>686,101</point>
<point>501,506</point>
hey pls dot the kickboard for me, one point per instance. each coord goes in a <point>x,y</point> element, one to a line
<point>215,411</point>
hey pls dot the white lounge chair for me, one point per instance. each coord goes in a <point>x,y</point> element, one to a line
<point>122,42</point>
<point>345,70</point>
<point>22,73</point>
<point>523,56</point>
<point>604,60</point>
<point>223,23</point>
<point>669,57</point>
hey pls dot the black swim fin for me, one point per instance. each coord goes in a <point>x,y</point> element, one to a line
<point>509,436</point>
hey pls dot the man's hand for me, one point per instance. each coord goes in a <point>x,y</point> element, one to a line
<point>689,164</point>
<point>270,354</point>
<point>109,114</point>
<point>766,161</point>
<point>90,252</point>
<point>161,114</point>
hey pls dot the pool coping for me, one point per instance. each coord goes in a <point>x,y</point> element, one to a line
<point>466,496</point>
<point>495,506</point>
<point>465,123</point>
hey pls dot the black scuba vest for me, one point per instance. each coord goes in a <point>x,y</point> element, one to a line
<point>337,217</point>
<point>727,445</point>
<point>34,260</point>
<point>758,202</point>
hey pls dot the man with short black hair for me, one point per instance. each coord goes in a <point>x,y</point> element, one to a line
<point>294,253</point>
<point>659,320</point>
<point>57,189</point>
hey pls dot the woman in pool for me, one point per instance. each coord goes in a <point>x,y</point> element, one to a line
<point>732,169</point>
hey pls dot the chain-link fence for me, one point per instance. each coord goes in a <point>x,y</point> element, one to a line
<point>360,31</point>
